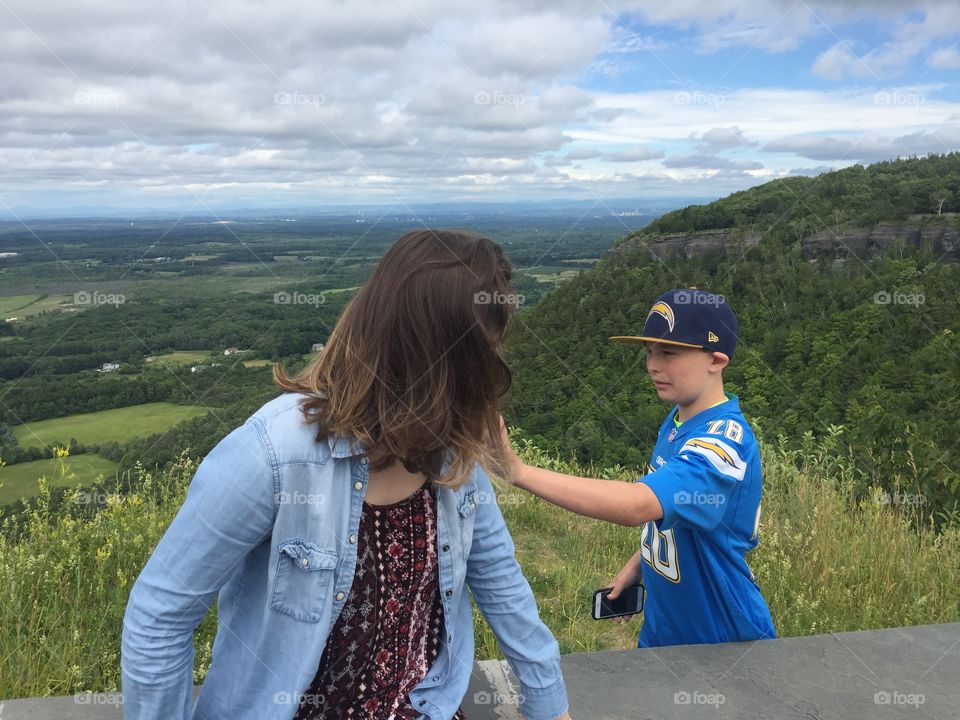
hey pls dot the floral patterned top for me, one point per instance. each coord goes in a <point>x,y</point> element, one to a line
<point>390,629</point>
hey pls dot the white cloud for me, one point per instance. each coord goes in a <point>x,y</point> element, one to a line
<point>532,45</point>
<point>947,58</point>
<point>837,62</point>
<point>332,100</point>
<point>940,19</point>
<point>583,154</point>
<point>719,138</point>
<point>870,148</point>
<point>634,155</point>
<point>711,162</point>
<point>765,114</point>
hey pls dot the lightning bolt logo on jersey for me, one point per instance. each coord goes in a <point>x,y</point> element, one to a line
<point>706,475</point>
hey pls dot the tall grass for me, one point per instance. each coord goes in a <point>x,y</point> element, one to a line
<point>832,557</point>
<point>65,576</point>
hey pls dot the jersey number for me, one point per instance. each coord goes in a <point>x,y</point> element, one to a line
<point>659,550</point>
<point>730,429</point>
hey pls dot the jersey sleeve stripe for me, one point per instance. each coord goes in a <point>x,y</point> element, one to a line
<point>722,456</point>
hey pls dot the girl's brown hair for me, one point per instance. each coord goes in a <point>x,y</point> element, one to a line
<point>413,368</point>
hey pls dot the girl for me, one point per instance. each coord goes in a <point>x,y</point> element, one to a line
<point>342,523</point>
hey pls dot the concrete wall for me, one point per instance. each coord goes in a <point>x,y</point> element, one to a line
<point>910,673</point>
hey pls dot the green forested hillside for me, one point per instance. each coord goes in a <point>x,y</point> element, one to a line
<point>868,353</point>
<point>799,206</point>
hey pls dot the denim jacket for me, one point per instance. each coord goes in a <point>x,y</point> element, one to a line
<point>270,522</point>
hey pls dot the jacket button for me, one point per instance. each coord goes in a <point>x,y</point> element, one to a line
<point>305,562</point>
<point>446,548</point>
<point>353,539</point>
<point>339,596</point>
<point>449,593</point>
<point>358,485</point>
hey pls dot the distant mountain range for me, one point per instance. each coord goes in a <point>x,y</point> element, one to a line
<point>558,206</point>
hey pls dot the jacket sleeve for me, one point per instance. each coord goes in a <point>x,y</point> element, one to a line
<point>228,510</point>
<point>504,597</point>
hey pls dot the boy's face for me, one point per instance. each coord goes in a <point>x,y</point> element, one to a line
<point>680,374</point>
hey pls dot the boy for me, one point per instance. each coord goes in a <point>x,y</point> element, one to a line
<point>700,502</point>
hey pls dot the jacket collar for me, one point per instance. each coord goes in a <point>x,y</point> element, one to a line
<point>344,445</point>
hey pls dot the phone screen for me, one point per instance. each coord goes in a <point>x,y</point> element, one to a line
<point>629,602</point>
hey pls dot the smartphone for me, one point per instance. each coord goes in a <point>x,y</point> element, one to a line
<point>629,602</point>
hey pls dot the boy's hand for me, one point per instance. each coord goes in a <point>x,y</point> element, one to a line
<point>514,463</point>
<point>630,574</point>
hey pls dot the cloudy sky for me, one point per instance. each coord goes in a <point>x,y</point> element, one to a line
<point>212,103</point>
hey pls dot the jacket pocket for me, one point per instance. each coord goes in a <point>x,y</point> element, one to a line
<point>466,517</point>
<point>304,575</point>
<point>468,503</point>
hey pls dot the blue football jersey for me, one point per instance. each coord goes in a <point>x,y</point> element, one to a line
<point>706,474</point>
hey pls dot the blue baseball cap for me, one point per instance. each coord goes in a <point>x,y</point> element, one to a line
<point>690,318</point>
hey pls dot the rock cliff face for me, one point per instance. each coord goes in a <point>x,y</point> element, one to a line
<point>941,233</point>
<point>691,245</point>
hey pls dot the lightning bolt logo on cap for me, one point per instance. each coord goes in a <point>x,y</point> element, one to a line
<point>664,311</point>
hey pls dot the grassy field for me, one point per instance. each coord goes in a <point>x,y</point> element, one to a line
<point>25,306</point>
<point>828,560</point>
<point>20,480</point>
<point>186,357</point>
<point>549,273</point>
<point>10,303</point>
<point>119,424</point>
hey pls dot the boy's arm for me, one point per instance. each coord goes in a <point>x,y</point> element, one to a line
<point>611,500</point>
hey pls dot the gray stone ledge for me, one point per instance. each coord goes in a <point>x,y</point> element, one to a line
<point>911,673</point>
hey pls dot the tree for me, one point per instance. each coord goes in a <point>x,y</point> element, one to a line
<point>941,197</point>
